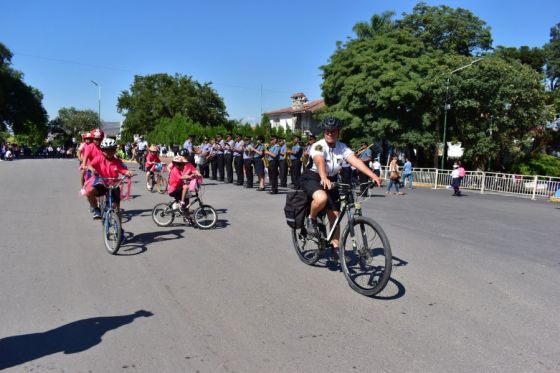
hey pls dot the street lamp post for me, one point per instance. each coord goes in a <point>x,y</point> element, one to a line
<point>98,99</point>
<point>447,106</point>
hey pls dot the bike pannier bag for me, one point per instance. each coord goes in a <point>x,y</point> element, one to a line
<point>296,208</point>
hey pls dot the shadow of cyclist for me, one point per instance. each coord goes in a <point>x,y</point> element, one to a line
<point>71,338</point>
<point>135,244</point>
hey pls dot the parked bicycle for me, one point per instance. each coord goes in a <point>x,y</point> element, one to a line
<point>157,181</point>
<point>365,252</point>
<point>202,216</point>
<point>111,221</point>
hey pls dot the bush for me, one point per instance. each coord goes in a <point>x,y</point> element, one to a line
<point>539,164</point>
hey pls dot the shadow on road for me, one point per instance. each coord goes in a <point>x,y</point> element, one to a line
<point>127,215</point>
<point>71,338</point>
<point>137,244</point>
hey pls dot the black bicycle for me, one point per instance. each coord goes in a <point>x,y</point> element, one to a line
<point>111,221</point>
<point>365,252</point>
<point>141,159</point>
<point>203,216</point>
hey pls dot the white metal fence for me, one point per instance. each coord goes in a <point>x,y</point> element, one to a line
<point>495,182</point>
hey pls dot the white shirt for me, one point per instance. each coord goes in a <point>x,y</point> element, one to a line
<point>334,157</point>
<point>455,173</point>
<point>376,165</point>
<point>142,145</point>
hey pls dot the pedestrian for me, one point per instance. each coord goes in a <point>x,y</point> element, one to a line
<point>456,180</point>
<point>219,150</point>
<point>376,165</point>
<point>364,154</point>
<point>393,176</point>
<point>407,174</point>
<point>238,158</point>
<point>273,153</point>
<point>212,160</point>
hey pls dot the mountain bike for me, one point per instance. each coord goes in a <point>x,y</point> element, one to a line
<point>157,181</point>
<point>365,252</point>
<point>111,220</point>
<point>203,216</point>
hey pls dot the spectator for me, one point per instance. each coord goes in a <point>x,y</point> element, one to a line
<point>455,180</point>
<point>376,169</point>
<point>393,176</point>
<point>407,174</point>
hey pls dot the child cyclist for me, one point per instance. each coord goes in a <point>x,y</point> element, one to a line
<point>183,177</point>
<point>105,166</point>
<point>152,163</point>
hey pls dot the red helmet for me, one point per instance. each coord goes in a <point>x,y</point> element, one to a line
<point>98,133</point>
<point>87,135</point>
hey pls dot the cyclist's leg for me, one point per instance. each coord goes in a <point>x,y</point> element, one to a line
<point>184,194</point>
<point>318,203</point>
<point>332,215</point>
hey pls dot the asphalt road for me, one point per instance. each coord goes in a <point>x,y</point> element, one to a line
<point>475,286</point>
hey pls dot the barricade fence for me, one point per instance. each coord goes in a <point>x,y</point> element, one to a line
<point>494,182</point>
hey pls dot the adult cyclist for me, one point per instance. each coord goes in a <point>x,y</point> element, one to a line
<point>327,156</point>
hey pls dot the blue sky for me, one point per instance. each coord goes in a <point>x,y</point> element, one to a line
<point>238,45</point>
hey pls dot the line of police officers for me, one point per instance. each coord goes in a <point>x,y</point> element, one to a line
<point>219,158</point>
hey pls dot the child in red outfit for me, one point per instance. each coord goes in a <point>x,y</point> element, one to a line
<point>152,161</point>
<point>105,166</point>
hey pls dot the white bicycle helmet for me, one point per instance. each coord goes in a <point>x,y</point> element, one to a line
<point>108,143</point>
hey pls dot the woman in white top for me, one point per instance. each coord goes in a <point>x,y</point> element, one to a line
<point>328,155</point>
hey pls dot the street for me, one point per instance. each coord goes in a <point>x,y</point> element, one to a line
<point>475,285</point>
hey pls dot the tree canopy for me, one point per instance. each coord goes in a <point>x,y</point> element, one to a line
<point>71,122</point>
<point>21,109</point>
<point>157,96</point>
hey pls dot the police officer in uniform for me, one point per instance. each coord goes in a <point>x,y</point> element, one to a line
<point>219,150</point>
<point>282,163</point>
<point>228,158</point>
<point>295,156</point>
<point>248,153</point>
<point>272,154</point>
<point>309,161</point>
<point>238,158</point>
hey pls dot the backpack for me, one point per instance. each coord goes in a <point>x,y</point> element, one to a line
<point>295,209</point>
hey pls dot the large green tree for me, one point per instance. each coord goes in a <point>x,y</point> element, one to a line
<point>157,96</point>
<point>21,109</point>
<point>451,30</point>
<point>552,50</point>
<point>71,122</point>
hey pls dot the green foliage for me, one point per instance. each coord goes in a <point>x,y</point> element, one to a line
<point>20,104</point>
<point>451,30</point>
<point>538,164</point>
<point>534,57</point>
<point>552,51</point>
<point>153,97</point>
<point>71,122</point>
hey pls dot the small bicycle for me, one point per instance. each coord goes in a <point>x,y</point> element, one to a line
<point>365,252</point>
<point>203,216</point>
<point>158,181</point>
<point>111,221</point>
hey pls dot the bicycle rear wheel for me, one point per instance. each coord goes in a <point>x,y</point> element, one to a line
<point>112,232</point>
<point>162,185</point>
<point>307,248</point>
<point>163,214</point>
<point>205,217</point>
<point>366,258</point>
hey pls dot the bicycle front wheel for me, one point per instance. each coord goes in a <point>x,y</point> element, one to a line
<point>366,258</point>
<point>162,185</point>
<point>307,247</point>
<point>162,214</point>
<point>205,217</point>
<point>112,232</point>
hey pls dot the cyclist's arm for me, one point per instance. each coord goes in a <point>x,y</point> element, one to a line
<point>361,166</point>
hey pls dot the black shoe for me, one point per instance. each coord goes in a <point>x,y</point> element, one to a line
<point>335,256</point>
<point>311,226</point>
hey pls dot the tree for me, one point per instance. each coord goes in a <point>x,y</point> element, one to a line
<point>534,57</point>
<point>71,122</point>
<point>153,97</point>
<point>21,110</point>
<point>378,24</point>
<point>552,51</point>
<point>451,30</point>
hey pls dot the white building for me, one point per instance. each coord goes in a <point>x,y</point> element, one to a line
<point>299,116</point>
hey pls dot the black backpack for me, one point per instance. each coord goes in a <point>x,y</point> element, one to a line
<point>296,208</point>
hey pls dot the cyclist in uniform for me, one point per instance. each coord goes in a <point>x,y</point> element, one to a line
<point>328,156</point>
<point>105,166</point>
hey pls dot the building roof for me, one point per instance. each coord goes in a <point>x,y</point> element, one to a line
<point>311,106</point>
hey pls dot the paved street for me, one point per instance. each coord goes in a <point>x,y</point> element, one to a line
<point>475,286</point>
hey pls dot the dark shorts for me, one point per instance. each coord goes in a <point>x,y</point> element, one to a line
<point>176,194</point>
<point>311,182</point>
<point>102,190</point>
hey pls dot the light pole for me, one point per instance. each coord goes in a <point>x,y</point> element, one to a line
<point>447,107</point>
<point>98,99</point>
